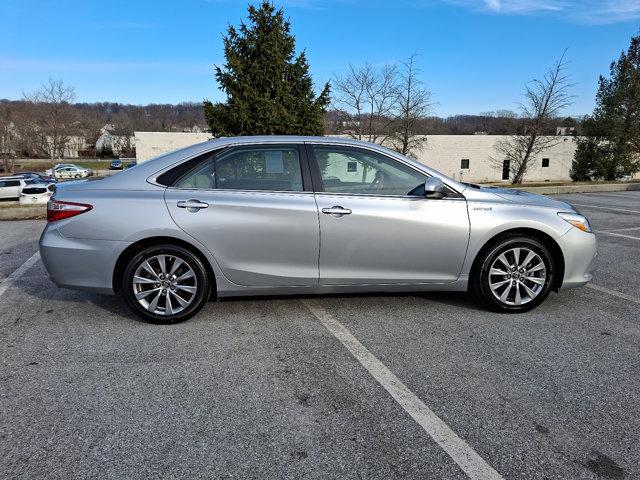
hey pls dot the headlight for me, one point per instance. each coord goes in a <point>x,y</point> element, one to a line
<point>577,220</point>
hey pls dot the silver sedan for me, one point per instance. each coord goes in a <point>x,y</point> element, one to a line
<point>300,215</point>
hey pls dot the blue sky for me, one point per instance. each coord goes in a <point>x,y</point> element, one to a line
<point>475,55</point>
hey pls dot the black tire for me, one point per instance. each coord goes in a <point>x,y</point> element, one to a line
<point>201,284</point>
<point>480,276</point>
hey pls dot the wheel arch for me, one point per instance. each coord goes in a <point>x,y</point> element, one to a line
<point>136,247</point>
<point>544,238</point>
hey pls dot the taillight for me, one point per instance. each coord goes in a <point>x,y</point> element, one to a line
<point>57,209</point>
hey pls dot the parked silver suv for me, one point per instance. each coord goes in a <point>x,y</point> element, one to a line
<point>288,215</point>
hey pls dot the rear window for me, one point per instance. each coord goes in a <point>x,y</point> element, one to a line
<point>169,177</point>
<point>34,190</point>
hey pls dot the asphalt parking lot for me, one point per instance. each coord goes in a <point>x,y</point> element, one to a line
<point>363,386</point>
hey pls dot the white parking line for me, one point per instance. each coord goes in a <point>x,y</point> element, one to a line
<point>620,194</point>
<point>604,208</point>
<point>469,461</point>
<point>618,235</point>
<point>16,274</point>
<point>614,293</point>
<point>623,229</point>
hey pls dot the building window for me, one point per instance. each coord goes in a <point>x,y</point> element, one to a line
<point>506,167</point>
<point>545,162</point>
<point>464,164</point>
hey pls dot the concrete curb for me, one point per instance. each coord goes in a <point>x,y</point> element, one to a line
<point>23,213</point>
<point>582,188</point>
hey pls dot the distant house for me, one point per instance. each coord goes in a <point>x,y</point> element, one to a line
<point>565,130</point>
<point>109,143</point>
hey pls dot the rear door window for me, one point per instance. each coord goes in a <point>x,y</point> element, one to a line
<point>264,167</point>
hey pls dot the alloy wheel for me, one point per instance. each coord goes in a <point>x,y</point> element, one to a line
<point>517,276</point>
<point>165,284</point>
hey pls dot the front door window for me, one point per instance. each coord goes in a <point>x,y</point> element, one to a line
<point>359,171</point>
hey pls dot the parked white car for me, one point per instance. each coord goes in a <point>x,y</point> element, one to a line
<point>10,187</point>
<point>57,166</point>
<point>72,172</point>
<point>37,194</point>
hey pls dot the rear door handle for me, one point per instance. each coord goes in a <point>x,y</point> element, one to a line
<point>336,211</point>
<point>192,205</point>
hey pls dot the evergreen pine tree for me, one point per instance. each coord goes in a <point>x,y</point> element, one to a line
<point>269,89</point>
<point>611,147</point>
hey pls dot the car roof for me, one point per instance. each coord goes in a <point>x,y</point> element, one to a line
<point>41,184</point>
<point>14,177</point>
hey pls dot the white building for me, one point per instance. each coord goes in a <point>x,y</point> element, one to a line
<point>469,158</point>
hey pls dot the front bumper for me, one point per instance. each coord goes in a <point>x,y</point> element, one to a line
<point>580,250</point>
<point>80,264</point>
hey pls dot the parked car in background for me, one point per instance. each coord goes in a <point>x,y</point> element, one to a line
<point>245,216</point>
<point>116,164</point>
<point>37,193</point>
<point>131,164</point>
<point>38,177</point>
<point>51,171</point>
<point>72,172</point>
<point>10,187</point>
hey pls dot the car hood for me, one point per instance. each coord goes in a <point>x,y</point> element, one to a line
<point>519,197</point>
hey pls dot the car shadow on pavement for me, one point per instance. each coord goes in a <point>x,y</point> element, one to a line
<point>58,300</point>
<point>453,299</point>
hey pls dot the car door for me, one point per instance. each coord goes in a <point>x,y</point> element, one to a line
<point>4,190</point>
<point>377,226</point>
<point>254,209</point>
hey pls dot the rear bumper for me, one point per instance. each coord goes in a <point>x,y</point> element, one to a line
<point>79,264</point>
<point>579,250</point>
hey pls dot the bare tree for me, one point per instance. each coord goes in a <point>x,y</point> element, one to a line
<point>366,98</point>
<point>386,105</point>
<point>7,138</point>
<point>413,103</point>
<point>544,100</point>
<point>52,118</point>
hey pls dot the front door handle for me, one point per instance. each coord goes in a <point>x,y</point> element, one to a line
<point>336,211</point>
<point>192,205</point>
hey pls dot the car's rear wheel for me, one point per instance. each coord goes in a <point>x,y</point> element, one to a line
<point>165,284</point>
<point>514,275</point>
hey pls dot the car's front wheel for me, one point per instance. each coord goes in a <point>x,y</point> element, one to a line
<point>165,284</point>
<point>514,275</point>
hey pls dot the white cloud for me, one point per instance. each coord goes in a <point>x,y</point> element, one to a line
<point>583,11</point>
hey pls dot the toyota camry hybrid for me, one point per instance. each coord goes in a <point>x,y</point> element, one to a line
<point>306,215</point>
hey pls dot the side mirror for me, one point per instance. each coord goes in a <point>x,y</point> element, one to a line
<point>434,188</point>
